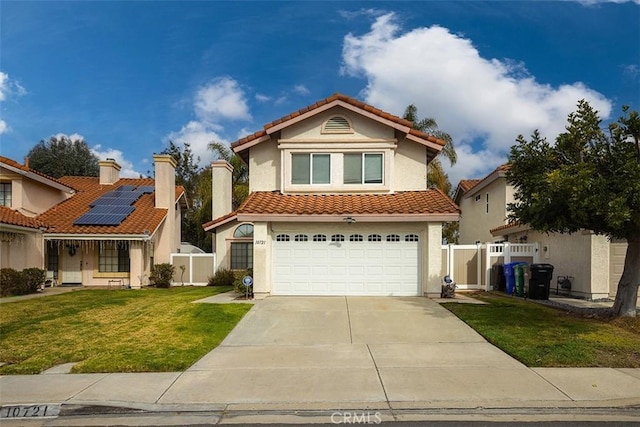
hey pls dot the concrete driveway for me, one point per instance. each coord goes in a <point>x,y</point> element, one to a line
<point>359,351</point>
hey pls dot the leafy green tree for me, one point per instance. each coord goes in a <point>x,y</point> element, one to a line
<point>62,156</point>
<point>240,177</point>
<point>588,180</point>
<point>436,176</point>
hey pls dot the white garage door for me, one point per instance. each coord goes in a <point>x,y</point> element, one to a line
<point>346,264</point>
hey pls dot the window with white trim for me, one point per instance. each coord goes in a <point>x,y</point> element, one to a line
<point>356,238</point>
<point>310,168</point>
<point>242,248</point>
<point>282,238</point>
<point>301,238</point>
<point>5,194</point>
<point>374,238</point>
<point>393,238</point>
<point>363,168</point>
<point>411,238</point>
<point>337,238</point>
<point>244,230</point>
<point>319,238</point>
<point>114,258</point>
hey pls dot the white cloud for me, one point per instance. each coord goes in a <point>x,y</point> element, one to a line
<point>301,90</point>
<point>222,98</point>
<point>9,88</point>
<point>198,135</point>
<point>594,2</point>
<point>4,128</point>
<point>262,98</point>
<point>4,85</point>
<point>471,97</point>
<point>72,137</point>
<point>127,170</point>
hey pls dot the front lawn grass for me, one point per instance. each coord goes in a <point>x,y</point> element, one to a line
<point>542,336</point>
<point>148,330</point>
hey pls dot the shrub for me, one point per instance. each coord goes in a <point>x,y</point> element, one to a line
<point>33,279</point>
<point>238,286</point>
<point>24,282</point>
<point>161,275</point>
<point>222,277</point>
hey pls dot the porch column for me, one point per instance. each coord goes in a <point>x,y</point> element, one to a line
<point>136,270</point>
<point>261,260</point>
<point>433,261</point>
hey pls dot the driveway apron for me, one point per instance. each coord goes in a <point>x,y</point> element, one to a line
<point>372,351</point>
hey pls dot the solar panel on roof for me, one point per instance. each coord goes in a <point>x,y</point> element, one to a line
<point>112,209</point>
<point>125,188</point>
<point>115,206</point>
<point>100,219</point>
<point>145,189</point>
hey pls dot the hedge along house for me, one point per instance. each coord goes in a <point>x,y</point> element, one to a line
<point>114,229</point>
<point>338,205</point>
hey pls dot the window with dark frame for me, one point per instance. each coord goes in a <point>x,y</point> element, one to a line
<point>114,258</point>
<point>241,255</point>
<point>5,194</point>
<point>53,258</point>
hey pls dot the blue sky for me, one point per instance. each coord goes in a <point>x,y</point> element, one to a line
<point>130,76</point>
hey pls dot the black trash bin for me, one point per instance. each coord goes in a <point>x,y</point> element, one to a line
<point>498,281</point>
<point>540,281</point>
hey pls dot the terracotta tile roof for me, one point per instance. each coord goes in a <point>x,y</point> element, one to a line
<point>348,100</point>
<point>10,217</point>
<point>14,164</point>
<point>409,203</point>
<point>506,226</point>
<point>145,217</point>
<point>468,184</point>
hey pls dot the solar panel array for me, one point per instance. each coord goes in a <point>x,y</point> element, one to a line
<point>115,206</point>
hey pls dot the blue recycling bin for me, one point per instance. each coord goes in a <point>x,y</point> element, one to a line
<point>510,277</point>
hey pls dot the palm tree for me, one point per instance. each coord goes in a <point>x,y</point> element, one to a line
<point>436,176</point>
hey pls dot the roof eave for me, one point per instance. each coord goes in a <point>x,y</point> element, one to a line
<point>429,217</point>
<point>41,179</point>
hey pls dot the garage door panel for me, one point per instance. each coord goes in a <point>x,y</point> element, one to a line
<point>346,268</point>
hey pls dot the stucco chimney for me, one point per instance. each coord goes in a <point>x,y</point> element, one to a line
<point>165,198</point>
<point>109,172</point>
<point>221,194</point>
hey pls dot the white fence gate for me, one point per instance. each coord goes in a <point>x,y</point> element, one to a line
<point>470,265</point>
<point>193,269</point>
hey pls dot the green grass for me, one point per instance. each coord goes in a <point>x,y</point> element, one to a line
<point>541,336</point>
<point>149,330</point>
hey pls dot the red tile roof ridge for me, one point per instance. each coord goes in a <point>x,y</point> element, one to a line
<point>349,100</point>
<point>24,168</point>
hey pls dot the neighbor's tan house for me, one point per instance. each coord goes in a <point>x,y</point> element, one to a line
<point>338,205</point>
<point>593,262</point>
<point>91,231</point>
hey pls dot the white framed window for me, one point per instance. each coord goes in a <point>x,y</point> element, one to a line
<point>282,238</point>
<point>337,238</point>
<point>487,203</point>
<point>244,230</point>
<point>5,194</point>
<point>356,238</point>
<point>363,168</point>
<point>411,238</point>
<point>478,197</point>
<point>301,238</point>
<point>114,258</point>
<point>393,238</point>
<point>319,238</point>
<point>374,238</point>
<point>310,168</point>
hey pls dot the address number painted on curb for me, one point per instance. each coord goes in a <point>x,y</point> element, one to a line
<point>29,411</point>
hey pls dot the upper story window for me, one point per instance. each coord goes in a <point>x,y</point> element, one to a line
<point>310,168</point>
<point>337,124</point>
<point>487,208</point>
<point>244,230</point>
<point>5,194</point>
<point>363,168</point>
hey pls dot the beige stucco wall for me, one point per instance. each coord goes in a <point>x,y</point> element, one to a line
<point>475,222</point>
<point>410,167</point>
<point>264,167</point>
<point>20,249</point>
<point>31,197</point>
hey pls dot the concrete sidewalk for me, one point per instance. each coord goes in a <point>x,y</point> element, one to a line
<point>294,356</point>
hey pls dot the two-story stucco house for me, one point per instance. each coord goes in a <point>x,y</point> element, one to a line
<point>92,231</point>
<point>591,262</point>
<point>338,205</point>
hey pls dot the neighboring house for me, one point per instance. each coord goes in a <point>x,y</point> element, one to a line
<point>338,205</point>
<point>102,230</point>
<point>593,263</point>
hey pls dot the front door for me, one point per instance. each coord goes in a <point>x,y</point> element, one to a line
<point>72,267</point>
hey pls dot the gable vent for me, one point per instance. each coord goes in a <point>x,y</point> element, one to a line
<point>337,124</point>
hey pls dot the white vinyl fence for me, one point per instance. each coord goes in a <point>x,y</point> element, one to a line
<point>470,265</point>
